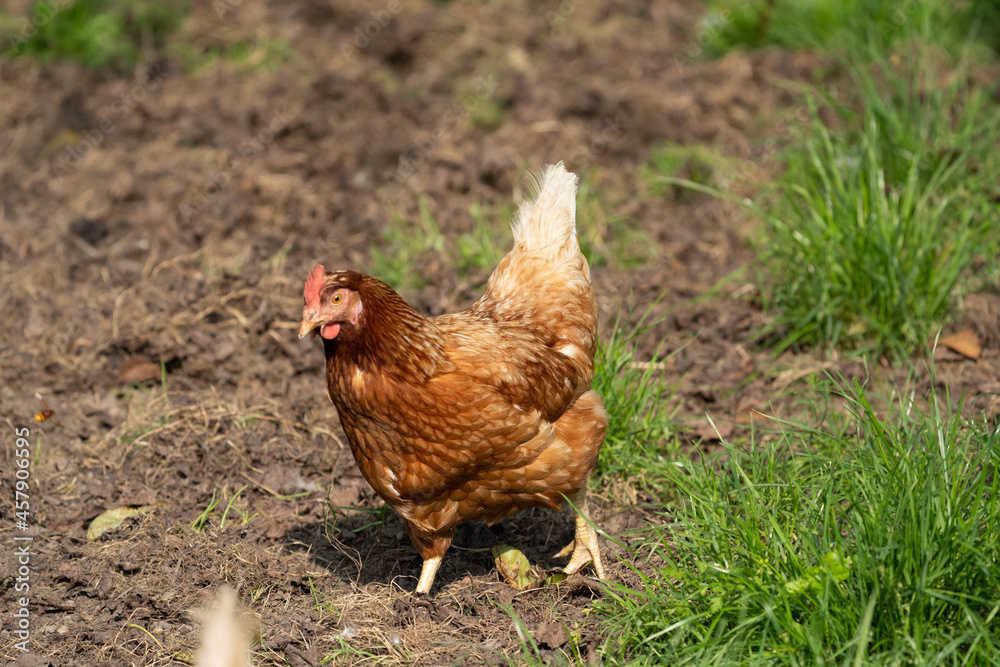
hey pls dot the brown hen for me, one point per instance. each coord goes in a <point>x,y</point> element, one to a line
<point>479,414</point>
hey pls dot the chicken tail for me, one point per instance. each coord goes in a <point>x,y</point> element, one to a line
<point>546,215</point>
<point>543,284</point>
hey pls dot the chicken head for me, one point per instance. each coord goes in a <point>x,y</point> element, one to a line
<point>326,309</point>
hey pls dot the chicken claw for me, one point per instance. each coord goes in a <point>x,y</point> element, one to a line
<point>584,548</point>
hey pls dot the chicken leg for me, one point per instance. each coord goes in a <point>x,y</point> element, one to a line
<point>584,547</point>
<point>427,574</point>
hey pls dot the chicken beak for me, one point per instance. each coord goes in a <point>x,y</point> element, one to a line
<point>306,326</point>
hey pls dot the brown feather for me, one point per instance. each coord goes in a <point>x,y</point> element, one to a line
<point>482,413</point>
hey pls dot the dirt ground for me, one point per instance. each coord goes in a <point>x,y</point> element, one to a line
<point>165,221</point>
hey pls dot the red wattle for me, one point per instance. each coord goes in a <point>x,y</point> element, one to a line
<point>330,331</point>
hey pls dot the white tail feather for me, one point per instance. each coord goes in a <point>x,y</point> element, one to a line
<point>546,213</point>
<point>224,643</point>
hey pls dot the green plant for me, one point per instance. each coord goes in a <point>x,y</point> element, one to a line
<point>209,511</point>
<point>213,506</point>
<point>379,516</point>
<point>695,163</point>
<point>394,261</point>
<point>865,258</point>
<point>640,422</point>
<point>878,220</point>
<point>873,542</point>
<point>607,239</point>
<point>486,114</point>
<point>265,53</point>
<point>245,517</point>
<point>985,16</point>
<point>925,104</point>
<point>98,33</point>
<point>482,248</point>
<point>322,602</point>
<point>826,24</point>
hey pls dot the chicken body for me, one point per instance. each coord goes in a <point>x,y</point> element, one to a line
<point>478,414</point>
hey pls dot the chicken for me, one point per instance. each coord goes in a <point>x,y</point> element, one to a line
<point>475,415</point>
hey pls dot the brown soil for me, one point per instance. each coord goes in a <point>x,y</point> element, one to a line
<point>168,219</point>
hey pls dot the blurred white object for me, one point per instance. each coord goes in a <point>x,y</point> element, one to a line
<point>224,642</point>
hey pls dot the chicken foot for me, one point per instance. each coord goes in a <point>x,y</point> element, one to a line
<point>584,548</point>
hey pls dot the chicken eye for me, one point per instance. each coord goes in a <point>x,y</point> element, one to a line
<point>337,298</point>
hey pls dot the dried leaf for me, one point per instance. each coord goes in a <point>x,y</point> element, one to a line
<point>111,519</point>
<point>513,566</point>
<point>965,343</point>
<point>135,371</point>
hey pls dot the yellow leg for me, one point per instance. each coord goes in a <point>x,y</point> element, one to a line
<point>583,549</point>
<point>427,573</point>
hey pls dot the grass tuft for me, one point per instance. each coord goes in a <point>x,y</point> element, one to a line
<point>869,246</point>
<point>482,248</point>
<point>826,24</point>
<point>97,33</point>
<point>874,542</point>
<point>695,163</point>
<point>641,428</point>
<point>886,214</point>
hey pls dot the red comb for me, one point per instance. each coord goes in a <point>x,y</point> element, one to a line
<point>314,283</point>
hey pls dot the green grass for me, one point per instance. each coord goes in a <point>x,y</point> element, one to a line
<point>212,509</point>
<point>97,33</point>
<point>483,246</point>
<point>640,440</point>
<point>825,24</point>
<point>209,511</point>
<point>886,214</point>
<point>872,542</point>
<point>531,654</point>
<point>607,239</point>
<point>872,240</point>
<point>869,246</point>
<point>988,13</point>
<point>695,162</point>
<point>395,261</point>
<point>486,114</point>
